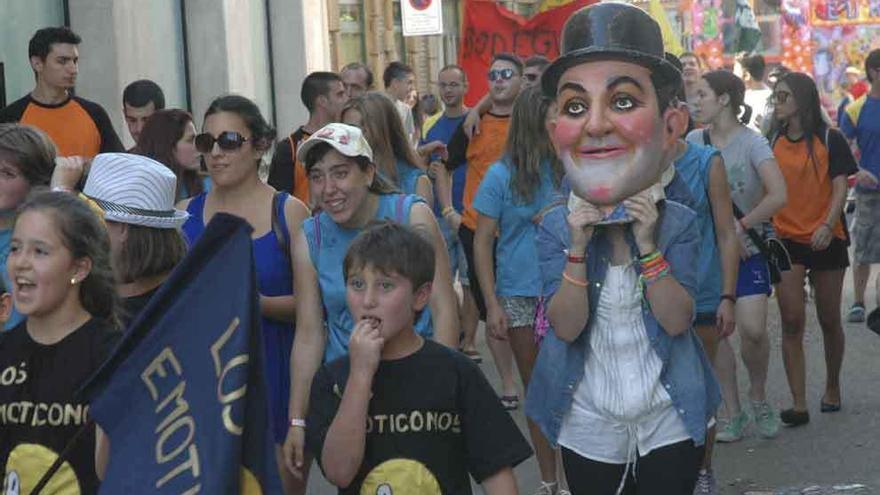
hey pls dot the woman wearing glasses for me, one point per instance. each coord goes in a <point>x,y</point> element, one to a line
<point>235,138</point>
<point>758,191</point>
<point>815,160</point>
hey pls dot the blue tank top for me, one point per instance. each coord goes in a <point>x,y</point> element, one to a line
<point>408,177</point>
<point>328,243</point>
<point>272,265</point>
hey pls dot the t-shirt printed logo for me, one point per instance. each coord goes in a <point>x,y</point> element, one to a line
<point>400,477</point>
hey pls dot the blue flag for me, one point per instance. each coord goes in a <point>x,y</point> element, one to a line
<point>183,398</point>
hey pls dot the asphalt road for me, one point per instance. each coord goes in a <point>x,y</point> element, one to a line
<point>833,454</point>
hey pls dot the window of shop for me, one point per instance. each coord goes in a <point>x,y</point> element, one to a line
<point>351,32</point>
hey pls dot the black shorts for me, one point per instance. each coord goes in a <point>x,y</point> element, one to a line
<point>834,257</point>
<point>466,236</point>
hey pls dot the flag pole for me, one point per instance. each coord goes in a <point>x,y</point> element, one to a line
<point>61,458</point>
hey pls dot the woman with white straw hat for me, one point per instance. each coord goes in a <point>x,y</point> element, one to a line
<point>234,139</point>
<point>137,196</point>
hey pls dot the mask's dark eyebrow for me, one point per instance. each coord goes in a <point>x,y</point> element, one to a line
<point>616,81</point>
<point>572,86</point>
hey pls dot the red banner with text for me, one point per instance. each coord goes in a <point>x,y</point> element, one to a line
<point>489,28</point>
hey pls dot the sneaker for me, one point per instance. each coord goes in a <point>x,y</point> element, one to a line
<point>732,429</point>
<point>856,313</point>
<point>766,419</point>
<point>706,484</point>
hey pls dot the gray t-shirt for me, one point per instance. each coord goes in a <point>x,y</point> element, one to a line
<point>742,157</point>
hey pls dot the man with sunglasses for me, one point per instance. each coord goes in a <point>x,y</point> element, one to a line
<point>534,67</point>
<point>324,95</point>
<point>477,154</point>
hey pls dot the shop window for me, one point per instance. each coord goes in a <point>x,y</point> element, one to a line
<point>351,32</point>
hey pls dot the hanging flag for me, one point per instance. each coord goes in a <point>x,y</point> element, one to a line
<point>671,42</point>
<point>488,28</point>
<point>552,4</point>
<point>183,399</point>
<point>748,31</point>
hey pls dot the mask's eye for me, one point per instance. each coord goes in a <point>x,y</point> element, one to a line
<point>623,103</point>
<point>575,108</point>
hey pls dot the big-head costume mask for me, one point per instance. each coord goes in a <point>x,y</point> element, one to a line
<point>611,134</point>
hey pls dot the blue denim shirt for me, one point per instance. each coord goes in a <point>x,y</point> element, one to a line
<point>686,374</point>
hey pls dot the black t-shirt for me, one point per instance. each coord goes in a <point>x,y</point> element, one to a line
<point>39,412</point>
<point>432,419</point>
<point>132,307</point>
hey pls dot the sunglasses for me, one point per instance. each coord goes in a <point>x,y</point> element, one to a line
<point>227,141</point>
<point>781,96</point>
<point>505,74</point>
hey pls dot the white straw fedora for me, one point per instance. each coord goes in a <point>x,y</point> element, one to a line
<point>134,189</point>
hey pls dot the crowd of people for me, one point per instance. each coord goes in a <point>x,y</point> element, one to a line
<point>614,217</point>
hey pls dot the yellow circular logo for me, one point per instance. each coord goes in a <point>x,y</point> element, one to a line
<point>249,483</point>
<point>400,477</point>
<point>28,462</point>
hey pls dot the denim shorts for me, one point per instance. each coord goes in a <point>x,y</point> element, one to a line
<point>754,277</point>
<point>520,310</point>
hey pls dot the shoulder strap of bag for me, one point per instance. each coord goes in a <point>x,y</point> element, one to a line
<point>277,228</point>
<point>753,235</point>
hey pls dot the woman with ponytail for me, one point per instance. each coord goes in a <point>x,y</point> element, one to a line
<point>758,191</point>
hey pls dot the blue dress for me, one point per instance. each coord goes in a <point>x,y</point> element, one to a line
<point>273,279</point>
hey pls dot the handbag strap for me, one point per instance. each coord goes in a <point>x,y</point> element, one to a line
<point>753,235</point>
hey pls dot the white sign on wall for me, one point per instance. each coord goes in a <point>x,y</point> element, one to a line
<point>422,17</point>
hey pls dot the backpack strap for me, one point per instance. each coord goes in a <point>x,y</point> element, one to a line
<point>398,209</point>
<point>707,140</point>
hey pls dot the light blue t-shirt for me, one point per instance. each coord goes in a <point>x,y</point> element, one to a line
<point>5,239</point>
<point>328,243</point>
<point>408,177</point>
<point>516,272</point>
<point>694,167</point>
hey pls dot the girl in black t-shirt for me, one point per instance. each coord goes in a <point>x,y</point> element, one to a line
<point>59,265</point>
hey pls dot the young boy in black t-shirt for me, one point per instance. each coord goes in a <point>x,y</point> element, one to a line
<point>402,415</point>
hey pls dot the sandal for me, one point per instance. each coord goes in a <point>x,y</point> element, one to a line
<point>827,407</point>
<point>510,402</point>
<point>474,355</point>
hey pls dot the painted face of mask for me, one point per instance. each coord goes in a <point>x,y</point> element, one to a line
<point>609,132</point>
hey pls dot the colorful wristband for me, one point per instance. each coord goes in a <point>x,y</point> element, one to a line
<point>574,281</point>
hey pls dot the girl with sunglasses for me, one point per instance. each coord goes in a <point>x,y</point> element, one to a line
<point>758,191</point>
<point>815,160</point>
<point>345,184</point>
<point>376,115</point>
<point>235,138</point>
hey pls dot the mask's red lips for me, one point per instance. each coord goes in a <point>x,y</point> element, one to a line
<point>596,152</point>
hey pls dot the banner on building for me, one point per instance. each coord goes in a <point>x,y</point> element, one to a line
<point>421,17</point>
<point>489,28</point>
<point>841,12</point>
<point>182,399</point>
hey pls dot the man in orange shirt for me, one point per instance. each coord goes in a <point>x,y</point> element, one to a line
<point>324,95</point>
<point>77,126</point>
<point>480,152</point>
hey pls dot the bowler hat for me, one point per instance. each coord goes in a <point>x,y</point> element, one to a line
<point>610,31</point>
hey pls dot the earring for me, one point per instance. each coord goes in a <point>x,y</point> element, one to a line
<point>73,281</point>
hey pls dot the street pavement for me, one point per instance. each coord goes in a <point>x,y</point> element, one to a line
<point>833,454</point>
